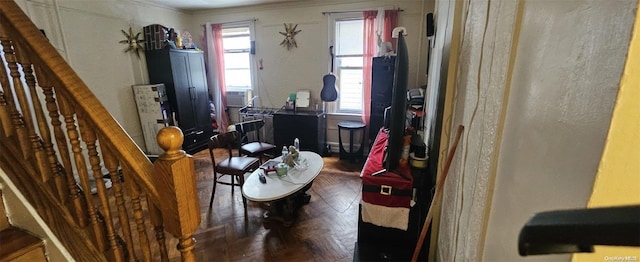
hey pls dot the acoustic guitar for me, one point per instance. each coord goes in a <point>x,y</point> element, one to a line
<point>329,91</point>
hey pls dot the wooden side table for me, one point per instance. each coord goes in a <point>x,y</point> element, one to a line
<point>352,127</point>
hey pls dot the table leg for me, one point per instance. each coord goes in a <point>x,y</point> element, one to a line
<point>351,146</point>
<point>283,210</point>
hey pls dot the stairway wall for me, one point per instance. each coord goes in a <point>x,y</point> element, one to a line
<point>20,213</point>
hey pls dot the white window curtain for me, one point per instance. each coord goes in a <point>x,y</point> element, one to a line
<point>216,69</point>
<point>213,78</point>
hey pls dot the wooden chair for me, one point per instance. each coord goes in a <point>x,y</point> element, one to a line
<point>250,142</point>
<point>234,166</point>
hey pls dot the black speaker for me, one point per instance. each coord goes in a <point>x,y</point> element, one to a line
<point>430,25</point>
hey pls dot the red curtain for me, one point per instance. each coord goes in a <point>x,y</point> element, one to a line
<point>219,54</point>
<point>390,22</point>
<point>369,46</point>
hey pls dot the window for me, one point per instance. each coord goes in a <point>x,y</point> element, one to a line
<point>348,43</point>
<point>236,42</point>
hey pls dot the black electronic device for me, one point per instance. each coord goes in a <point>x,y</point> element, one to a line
<point>398,106</point>
<point>262,178</point>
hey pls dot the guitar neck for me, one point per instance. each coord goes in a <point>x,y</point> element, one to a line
<point>332,65</point>
<point>332,57</point>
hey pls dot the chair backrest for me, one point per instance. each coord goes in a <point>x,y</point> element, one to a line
<point>249,131</point>
<point>223,140</point>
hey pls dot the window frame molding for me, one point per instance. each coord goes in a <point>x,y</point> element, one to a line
<point>252,62</point>
<point>333,108</point>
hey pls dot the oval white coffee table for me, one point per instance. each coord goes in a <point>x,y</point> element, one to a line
<point>283,191</point>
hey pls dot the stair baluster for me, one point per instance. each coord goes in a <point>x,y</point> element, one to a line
<point>111,165</point>
<point>56,180</point>
<point>134,192</point>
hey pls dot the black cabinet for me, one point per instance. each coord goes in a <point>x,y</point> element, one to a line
<point>382,74</point>
<point>309,127</point>
<point>183,74</point>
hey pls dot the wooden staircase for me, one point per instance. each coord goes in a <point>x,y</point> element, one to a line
<point>56,137</point>
<point>17,244</point>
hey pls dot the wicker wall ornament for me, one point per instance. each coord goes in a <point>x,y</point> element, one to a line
<point>132,41</point>
<point>289,34</point>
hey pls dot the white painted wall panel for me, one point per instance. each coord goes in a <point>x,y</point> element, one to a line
<point>481,85</point>
<point>566,70</point>
<point>568,67</point>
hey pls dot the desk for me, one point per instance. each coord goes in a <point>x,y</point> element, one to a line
<point>285,192</point>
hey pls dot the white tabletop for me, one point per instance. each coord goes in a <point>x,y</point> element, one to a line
<point>280,187</point>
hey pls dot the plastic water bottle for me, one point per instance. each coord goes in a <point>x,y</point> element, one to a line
<point>296,144</point>
<point>285,152</point>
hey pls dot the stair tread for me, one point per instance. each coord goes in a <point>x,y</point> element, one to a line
<point>15,242</point>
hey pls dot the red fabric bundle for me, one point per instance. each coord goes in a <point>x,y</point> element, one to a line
<point>387,188</point>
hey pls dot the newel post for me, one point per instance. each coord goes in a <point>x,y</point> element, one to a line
<point>176,184</point>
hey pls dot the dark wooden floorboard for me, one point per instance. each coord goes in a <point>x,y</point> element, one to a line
<point>324,230</point>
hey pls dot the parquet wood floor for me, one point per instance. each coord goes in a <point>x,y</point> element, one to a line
<point>324,230</point>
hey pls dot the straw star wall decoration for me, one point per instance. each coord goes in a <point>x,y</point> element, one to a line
<point>289,34</point>
<point>133,43</point>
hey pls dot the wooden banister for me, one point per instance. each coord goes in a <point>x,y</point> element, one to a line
<point>58,143</point>
<point>75,89</point>
<point>171,168</point>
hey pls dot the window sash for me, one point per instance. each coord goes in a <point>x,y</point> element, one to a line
<point>349,62</point>
<point>350,82</point>
<point>239,74</point>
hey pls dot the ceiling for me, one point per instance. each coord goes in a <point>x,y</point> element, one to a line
<point>210,4</point>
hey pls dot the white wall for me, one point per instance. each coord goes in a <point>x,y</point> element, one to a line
<point>286,71</point>
<point>87,34</point>
<point>481,81</point>
<point>566,77</point>
<point>535,117</point>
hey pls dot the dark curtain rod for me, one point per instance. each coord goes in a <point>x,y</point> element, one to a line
<point>353,11</point>
<point>235,22</point>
